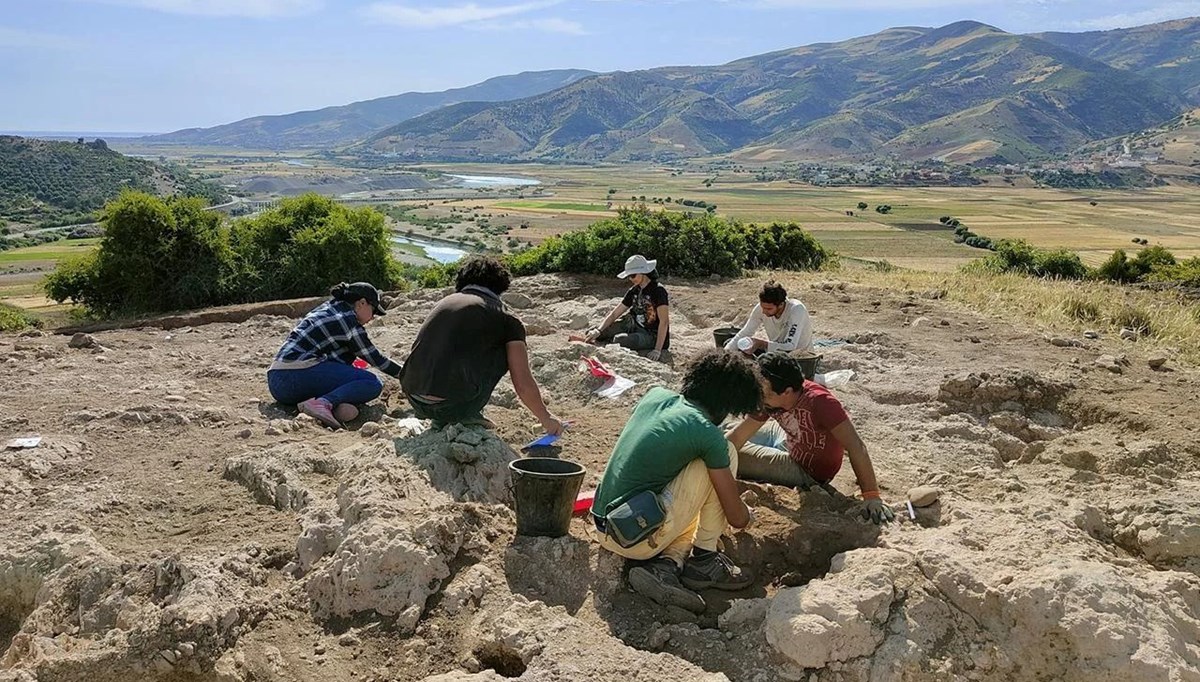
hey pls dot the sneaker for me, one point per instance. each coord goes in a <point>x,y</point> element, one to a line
<point>715,570</point>
<point>321,410</point>
<point>658,581</point>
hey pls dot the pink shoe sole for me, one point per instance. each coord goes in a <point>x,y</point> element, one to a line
<point>317,410</point>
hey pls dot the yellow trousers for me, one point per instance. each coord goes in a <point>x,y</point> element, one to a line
<point>694,517</point>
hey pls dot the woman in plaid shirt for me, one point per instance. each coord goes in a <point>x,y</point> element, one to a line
<point>314,368</point>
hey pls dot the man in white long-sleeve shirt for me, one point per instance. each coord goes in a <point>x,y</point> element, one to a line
<point>786,321</point>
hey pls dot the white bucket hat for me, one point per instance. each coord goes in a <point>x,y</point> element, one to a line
<point>637,265</point>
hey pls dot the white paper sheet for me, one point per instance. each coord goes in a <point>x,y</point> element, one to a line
<point>614,387</point>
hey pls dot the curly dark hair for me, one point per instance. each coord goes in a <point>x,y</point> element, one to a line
<point>772,292</point>
<point>483,271</point>
<point>782,370</point>
<point>722,383</point>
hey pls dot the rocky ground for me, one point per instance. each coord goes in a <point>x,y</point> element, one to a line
<point>176,524</point>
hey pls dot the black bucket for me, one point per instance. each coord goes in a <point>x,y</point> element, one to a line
<point>544,492</point>
<point>809,362</point>
<point>722,335</point>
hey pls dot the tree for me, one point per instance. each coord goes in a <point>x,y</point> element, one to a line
<point>862,205</point>
<point>155,255</point>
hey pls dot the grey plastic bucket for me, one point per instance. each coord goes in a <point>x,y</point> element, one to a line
<point>544,492</point>
<point>809,363</point>
<point>722,335</point>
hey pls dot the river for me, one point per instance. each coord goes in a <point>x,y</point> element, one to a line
<point>442,253</point>
<point>494,181</point>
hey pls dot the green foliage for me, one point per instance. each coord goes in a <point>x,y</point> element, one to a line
<point>161,255</point>
<point>1151,264</point>
<point>1185,272</point>
<point>685,245</point>
<point>155,255</point>
<point>308,244</point>
<point>60,183</point>
<point>862,205</point>
<point>14,319</point>
<point>1019,256</point>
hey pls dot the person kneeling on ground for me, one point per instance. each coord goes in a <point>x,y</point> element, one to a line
<point>672,446</point>
<point>648,325</point>
<point>786,320</point>
<point>464,347</point>
<point>314,368</point>
<point>815,430</point>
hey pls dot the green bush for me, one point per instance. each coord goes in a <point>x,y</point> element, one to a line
<point>1118,268</point>
<point>159,255</point>
<point>1185,272</point>
<point>685,245</point>
<point>14,319</point>
<point>1019,256</point>
<point>155,255</point>
<point>1059,264</point>
<point>308,244</point>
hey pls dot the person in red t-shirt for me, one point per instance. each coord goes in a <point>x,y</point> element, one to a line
<point>813,427</point>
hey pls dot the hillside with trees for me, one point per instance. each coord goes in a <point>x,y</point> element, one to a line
<point>965,91</point>
<point>44,183</point>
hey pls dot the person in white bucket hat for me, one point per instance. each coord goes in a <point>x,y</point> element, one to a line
<point>648,325</point>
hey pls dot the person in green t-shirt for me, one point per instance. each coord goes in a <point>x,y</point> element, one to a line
<point>672,445</point>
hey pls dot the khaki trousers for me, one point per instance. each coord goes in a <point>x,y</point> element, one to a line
<point>694,517</point>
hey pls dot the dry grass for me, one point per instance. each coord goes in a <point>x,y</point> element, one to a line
<point>1166,319</point>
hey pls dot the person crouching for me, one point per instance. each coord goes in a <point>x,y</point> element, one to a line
<point>314,368</point>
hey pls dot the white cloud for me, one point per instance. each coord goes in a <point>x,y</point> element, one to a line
<point>456,15</point>
<point>547,25</point>
<point>258,9</point>
<point>1152,15</point>
<point>15,37</point>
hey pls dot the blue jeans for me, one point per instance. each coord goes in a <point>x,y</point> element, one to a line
<point>336,382</point>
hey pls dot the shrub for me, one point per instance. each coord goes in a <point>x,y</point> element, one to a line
<point>686,245</point>
<point>1059,264</point>
<point>1019,256</point>
<point>14,319</point>
<point>1185,272</point>
<point>155,255</point>
<point>159,255</point>
<point>1118,268</point>
<point>308,244</point>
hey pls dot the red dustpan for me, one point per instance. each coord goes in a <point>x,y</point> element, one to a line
<point>583,503</point>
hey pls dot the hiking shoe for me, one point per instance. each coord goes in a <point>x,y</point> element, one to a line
<point>321,410</point>
<point>715,570</point>
<point>658,581</point>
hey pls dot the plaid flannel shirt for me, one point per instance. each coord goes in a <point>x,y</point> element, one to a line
<point>332,332</point>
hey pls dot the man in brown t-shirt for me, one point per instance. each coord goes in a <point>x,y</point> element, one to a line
<point>464,347</point>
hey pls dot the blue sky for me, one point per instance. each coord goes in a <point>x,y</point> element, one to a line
<point>159,65</point>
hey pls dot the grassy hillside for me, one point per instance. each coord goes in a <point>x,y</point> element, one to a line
<point>1168,52</point>
<point>966,90</point>
<point>44,182</point>
<point>335,126</point>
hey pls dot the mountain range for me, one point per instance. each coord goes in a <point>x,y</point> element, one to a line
<point>962,92</point>
<point>341,125</point>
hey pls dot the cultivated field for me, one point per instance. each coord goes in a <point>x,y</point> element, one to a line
<point>910,236</point>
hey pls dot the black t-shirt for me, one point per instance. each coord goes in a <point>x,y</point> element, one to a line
<point>459,352</point>
<point>643,305</point>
